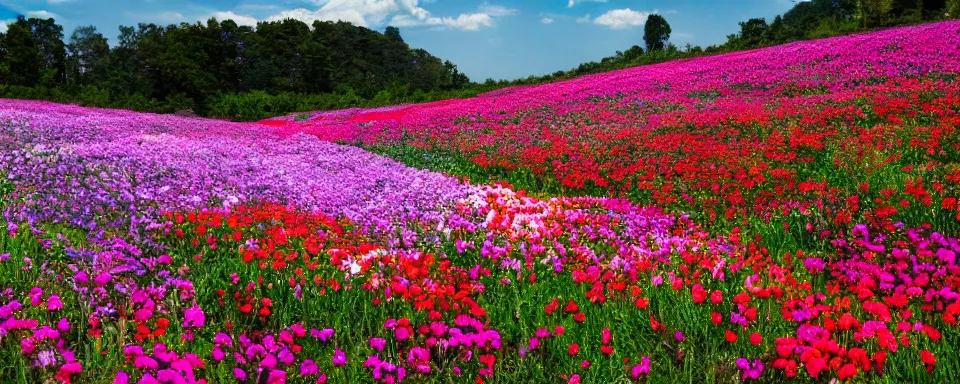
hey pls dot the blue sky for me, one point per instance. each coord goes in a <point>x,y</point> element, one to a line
<point>501,39</point>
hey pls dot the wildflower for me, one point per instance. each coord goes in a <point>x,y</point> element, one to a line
<point>194,317</point>
<point>308,367</point>
<point>641,369</point>
<point>54,303</point>
<point>339,358</point>
<point>730,336</point>
<point>573,350</point>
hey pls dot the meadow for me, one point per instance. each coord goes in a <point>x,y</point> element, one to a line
<point>786,214</point>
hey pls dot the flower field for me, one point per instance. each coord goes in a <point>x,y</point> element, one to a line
<point>787,214</point>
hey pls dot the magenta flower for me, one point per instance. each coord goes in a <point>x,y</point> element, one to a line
<point>339,358</point>
<point>277,377</point>
<point>54,303</point>
<point>323,335</point>
<point>63,325</point>
<point>641,369</point>
<point>194,317</point>
<point>121,378</point>
<point>378,343</point>
<point>144,362</point>
<point>679,336</point>
<point>308,367</point>
<point>239,374</point>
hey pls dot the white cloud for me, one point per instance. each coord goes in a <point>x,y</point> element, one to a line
<point>497,10</point>
<point>239,19</point>
<point>622,18</point>
<point>400,13</point>
<point>546,20</point>
<point>42,14</point>
<point>3,26</point>
<point>469,21</point>
<point>584,19</point>
<point>571,3</point>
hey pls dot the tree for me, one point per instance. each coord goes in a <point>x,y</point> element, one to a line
<point>47,38</point>
<point>89,56</point>
<point>752,31</point>
<point>656,32</point>
<point>393,33</point>
<point>953,8</point>
<point>875,12</point>
<point>23,57</point>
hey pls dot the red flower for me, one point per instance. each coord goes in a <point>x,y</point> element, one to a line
<point>756,339</point>
<point>815,366</point>
<point>571,307</point>
<point>552,306</point>
<point>847,371</point>
<point>573,350</point>
<point>699,294</point>
<point>606,349</point>
<point>716,318</point>
<point>580,317</point>
<point>928,359</point>
<point>643,303</point>
<point>731,336</point>
<point>716,297</point>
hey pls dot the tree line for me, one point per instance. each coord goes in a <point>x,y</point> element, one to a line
<point>222,69</point>
<point>216,67</point>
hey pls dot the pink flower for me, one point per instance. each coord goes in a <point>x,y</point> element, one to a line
<point>194,317</point>
<point>378,343</point>
<point>103,279</point>
<point>309,368</point>
<point>54,303</point>
<point>641,369</point>
<point>239,374</point>
<point>339,358</point>
<point>121,378</point>
<point>63,326</point>
<point>401,333</point>
<point>277,377</point>
<point>143,362</point>
<point>323,335</point>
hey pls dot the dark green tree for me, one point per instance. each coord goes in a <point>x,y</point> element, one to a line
<point>23,58</point>
<point>393,33</point>
<point>752,32</point>
<point>656,32</point>
<point>89,56</point>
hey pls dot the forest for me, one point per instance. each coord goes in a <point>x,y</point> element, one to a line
<point>222,69</point>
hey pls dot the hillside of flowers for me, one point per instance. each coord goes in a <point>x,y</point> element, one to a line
<point>786,214</point>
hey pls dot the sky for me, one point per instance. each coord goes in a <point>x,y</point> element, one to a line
<point>499,39</point>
